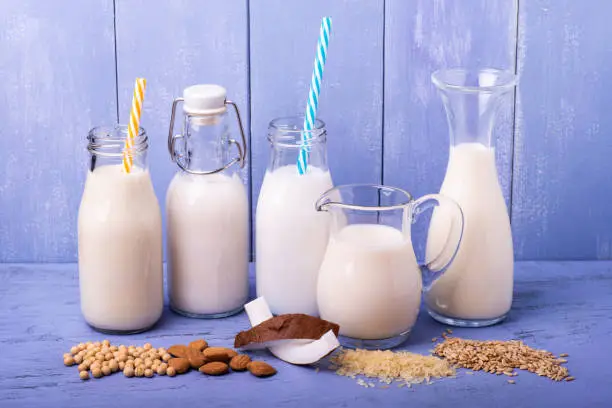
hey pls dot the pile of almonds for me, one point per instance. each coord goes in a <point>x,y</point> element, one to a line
<point>104,359</point>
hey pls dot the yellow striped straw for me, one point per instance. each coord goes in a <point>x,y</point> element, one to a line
<point>134,125</point>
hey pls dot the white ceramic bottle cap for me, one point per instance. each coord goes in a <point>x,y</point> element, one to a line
<point>205,99</point>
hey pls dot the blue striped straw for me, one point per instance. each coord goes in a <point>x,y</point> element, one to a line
<point>313,94</point>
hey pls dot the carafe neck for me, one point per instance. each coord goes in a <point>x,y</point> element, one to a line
<point>472,100</point>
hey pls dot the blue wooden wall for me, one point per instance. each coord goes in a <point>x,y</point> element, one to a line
<point>68,65</point>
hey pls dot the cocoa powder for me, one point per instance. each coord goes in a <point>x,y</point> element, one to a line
<point>285,327</point>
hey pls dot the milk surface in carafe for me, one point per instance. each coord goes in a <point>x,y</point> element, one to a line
<point>478,283</point>
<point>369,282</point>
<point>291,238</point>
<point>120,250</point>
<point>208,243</point>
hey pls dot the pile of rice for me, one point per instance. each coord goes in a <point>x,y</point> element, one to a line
<point>388,366</point>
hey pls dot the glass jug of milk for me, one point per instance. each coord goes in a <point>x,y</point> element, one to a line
<point>290,235</point>
<point>119,237</point>
<point>207,208</point>
<point>477,289</point>
<point>370,281</point>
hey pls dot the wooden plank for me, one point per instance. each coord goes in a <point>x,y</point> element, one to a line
<point>175,44</point>
<point>283,41</point>
<point>55,87</point>
<point>562,169</point>
<point>563,307</point>
<point>421,37</point>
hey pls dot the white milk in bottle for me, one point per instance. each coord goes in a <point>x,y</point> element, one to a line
<point>369,282</point>
<point>478,284</point>
<point>207,210</point>
<point>208,243</point>
<point>120,240</point>
<point>291,236</point>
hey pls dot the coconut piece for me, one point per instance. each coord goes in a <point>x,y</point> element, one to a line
<point>258,311</point>
<point>285,327</point>
<point>273,343</point>
<point>306,353</point>
<point>294,351</point>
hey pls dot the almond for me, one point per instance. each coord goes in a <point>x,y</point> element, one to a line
<point>214,368</point>
<point>178,350</point>
<point>219,354</point>
<point>199,345</point>
<point>261,369</point>
<point>196,359</point>
<point>240,362</point>
<point>181,365</point>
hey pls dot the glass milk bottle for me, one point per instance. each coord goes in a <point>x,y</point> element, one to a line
<point>291,236</point>
<point>119,237</point>
<point>477,288</point>
<point>207,209</point>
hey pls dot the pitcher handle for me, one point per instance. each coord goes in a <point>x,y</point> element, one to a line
<point>429,270</point>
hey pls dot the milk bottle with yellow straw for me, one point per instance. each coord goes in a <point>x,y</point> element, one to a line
<point>119,230</point>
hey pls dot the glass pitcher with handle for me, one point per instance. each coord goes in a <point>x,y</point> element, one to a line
<point>370,281</point>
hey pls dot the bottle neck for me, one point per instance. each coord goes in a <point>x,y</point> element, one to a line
<point>106,146</point>
<point>205,143</point>
<point>287,139</point>
<point>283,155</point>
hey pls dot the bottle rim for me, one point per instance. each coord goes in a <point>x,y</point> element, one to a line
<point>109,141</point>
<point>289,132</point>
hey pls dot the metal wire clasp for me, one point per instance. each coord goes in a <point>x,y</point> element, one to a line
<point>242,147</point>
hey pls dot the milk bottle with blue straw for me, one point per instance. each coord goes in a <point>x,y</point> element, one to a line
<point>291,237</point>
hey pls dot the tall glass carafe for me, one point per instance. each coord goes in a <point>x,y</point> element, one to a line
<point>291,236</point>
<point>207,208</point>
<point>477,288</point>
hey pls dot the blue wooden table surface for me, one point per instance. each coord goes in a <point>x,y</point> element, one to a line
<point>563,307</point>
